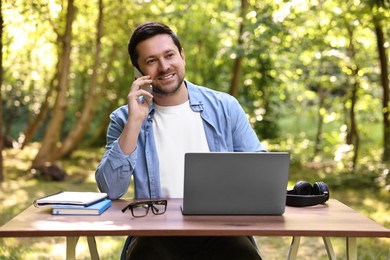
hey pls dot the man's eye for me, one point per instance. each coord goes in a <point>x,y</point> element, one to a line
<point>170,55</point>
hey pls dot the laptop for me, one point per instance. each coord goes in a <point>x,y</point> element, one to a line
<point>235,183</point>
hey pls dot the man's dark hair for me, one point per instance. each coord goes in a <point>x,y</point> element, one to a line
<point>145,31</point>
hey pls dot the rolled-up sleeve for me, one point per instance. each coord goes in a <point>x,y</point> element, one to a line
<point>113,175</point>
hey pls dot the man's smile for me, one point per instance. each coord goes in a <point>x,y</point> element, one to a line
<point>165,77</point>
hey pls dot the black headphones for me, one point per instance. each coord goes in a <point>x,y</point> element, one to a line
<point>304,194</point>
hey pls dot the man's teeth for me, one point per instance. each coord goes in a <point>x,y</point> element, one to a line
<point>167,77</point>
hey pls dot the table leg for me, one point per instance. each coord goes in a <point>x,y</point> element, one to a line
<point>92,248</point>
<point>329,248</point>
<point>293,252</point>
<point>71,243</point>
<point>351,248</point>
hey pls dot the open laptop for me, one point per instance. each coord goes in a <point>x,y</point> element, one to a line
<point>235,183</point>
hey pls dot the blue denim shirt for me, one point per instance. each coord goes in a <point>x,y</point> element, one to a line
<point>227,130</point>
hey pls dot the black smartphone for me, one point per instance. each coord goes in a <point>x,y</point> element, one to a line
<point>146,87</point>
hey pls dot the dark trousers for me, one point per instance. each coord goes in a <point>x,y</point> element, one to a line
<point>192,248</point>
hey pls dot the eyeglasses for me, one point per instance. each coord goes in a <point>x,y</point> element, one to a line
<point>141,208</point>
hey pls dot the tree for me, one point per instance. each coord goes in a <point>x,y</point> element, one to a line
<point>237,67</point>
<point>76,135</point>
<point>45,157</point>
<point>353,137</point>
<point>1,97</point>
<point>289,63</point>
<point>377,20</point>
<point>44,109</point>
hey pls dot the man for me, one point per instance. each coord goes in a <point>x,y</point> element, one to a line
<point>148,137</point>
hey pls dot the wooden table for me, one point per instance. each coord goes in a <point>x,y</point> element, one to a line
<point>331,220</point>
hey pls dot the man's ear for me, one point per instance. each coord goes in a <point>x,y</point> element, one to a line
<point>183,56</point>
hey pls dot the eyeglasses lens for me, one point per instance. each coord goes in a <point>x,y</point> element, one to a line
<point>159,207</point>
<point>140,210</point>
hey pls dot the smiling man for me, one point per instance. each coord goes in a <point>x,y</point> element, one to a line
<point>148,137</point>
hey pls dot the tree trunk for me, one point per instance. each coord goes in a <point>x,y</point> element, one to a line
<point>34,125</point>
<point>75,137</point>
<point>383,58</point>
<point>53,131</point>
<point>353,132</point>
<point>320,123</point>
<point>101,92</point>
<point>1,96</point>
<point>237,67</point>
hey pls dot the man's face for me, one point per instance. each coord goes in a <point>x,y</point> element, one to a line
<point>159,58</point>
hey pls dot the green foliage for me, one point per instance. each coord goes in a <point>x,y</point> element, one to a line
<point>297,72</point>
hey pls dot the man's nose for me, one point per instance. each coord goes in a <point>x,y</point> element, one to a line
<point>163,65</point>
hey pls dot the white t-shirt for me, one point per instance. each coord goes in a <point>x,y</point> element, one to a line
<point>177,130</point>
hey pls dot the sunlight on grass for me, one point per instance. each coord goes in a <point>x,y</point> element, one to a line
<point>15,198</point>
<point>110,247</point>
<point>57,249</point>
<point>379,211</point>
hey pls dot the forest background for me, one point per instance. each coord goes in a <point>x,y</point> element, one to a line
<point>312,76</point>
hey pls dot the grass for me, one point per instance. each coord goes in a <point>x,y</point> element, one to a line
<point>20,188</point>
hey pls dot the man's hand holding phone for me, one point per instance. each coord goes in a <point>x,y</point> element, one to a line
<point>139,98</point>
<point>138,104</point>
<point>137,75</point>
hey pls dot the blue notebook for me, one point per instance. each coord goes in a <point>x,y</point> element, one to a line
<point>94,209</point>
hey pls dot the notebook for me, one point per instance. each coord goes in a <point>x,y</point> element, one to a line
<point>235,183</point>
<point>94,209</point>
<point>81,198</point>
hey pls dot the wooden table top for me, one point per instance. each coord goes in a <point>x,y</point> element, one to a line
<point>333,219</point>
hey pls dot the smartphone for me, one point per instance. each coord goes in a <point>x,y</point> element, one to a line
<point>146,87</point>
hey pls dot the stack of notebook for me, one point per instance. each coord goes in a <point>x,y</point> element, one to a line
<point>75,203</point>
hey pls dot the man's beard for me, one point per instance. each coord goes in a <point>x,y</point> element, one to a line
<point>157,89</point>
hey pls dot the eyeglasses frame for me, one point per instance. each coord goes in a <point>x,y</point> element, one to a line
<point>149,203</point>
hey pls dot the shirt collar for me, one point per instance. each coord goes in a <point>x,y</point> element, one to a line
<point>193,96</point>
